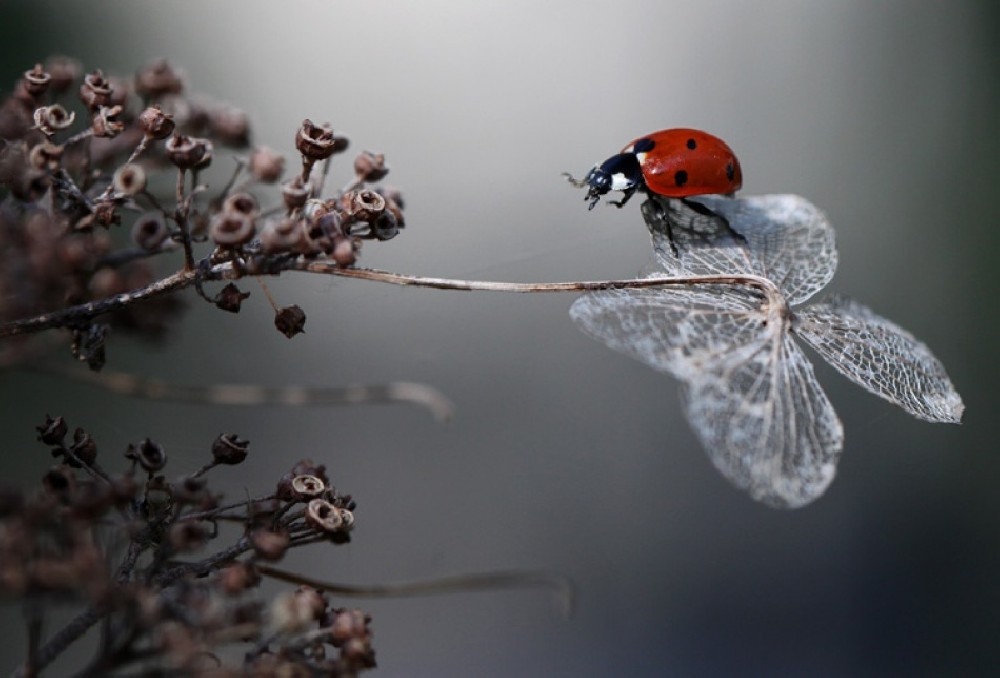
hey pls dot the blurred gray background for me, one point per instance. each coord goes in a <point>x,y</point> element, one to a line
<point>564,455</point>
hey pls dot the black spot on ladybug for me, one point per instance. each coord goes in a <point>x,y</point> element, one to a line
<point>692,144</point>
<point>730,171</point>
<point>680,178</point>
<point>643,146</point>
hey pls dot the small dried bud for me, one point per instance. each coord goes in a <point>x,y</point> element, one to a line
<point>130,179</point>
<point>105,213</point>
<point>316,142</point>
<point>291,613</point>
<point>158,80</point>
<point>52,431</point>
<point>64,72</point>
<point>370,166</point>
<point>59,481</point>
<point>95,91</point>
<point>363,205</point>
<point>37,80</point>
<point>105,122</point>
<point>269,545</point>
<point>238,577</point>
<point>229,449</point>
<point>155,123</point>
<point>324,516</point>
<point>84,447</point>
<point>315,209</point>
<point>229,230</point>
<point>307,487</point>
<point>186,152</point>
<point>314,599</point>
<point>290,320</point>
<point>266,166</point>
<point>151,456</point>
<point>230,299</point>
<point>45,156</point>
<point>52,119</point>
<point>345,251</point>
<point>242,203</point>
<point>230,126</point>
<point>347,624</point>
<point>286,235</point>
<point>149,231</point>
<point>294,193</point>
<point>385,226</point>
<point>188,535</point>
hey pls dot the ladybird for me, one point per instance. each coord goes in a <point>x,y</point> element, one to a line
<point>674,163</point>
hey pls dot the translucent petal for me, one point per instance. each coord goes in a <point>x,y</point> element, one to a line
<point>784,238</point>
<point>879,355</point>
<point>750,394</point>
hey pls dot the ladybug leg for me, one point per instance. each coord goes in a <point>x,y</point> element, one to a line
<point>628,193</point>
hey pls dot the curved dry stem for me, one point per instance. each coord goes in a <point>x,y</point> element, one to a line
<point>483,581</point>
<point>225,271</point>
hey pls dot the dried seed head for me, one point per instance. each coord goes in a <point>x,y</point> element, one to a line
<point>345,252</point>
<point>385,226</point>
<point>238,577</point>
<point>105,213</point>
<point>37,80</point>
<point>324,516</point>
<point>188,535</point>
<point>345,624</point>
<point>363,205</point>
<point>315,208</point>
<point>230,126</point>
<point>95,91</point>
<point>158,80</point>
<point>294,193</point>
<point>52,431</point>
<point>149,231</point>
<point>130,179</point>
<point>105,122</point>
<point>266,166</point>
<point>307,487</point>
<point>242,203</point>
<point>156,124</point>
<point>230,230</point>
<point>290,320</point>
<point>370,166</point>
<point>45,156</point>
<point>151,456</point>
<point>187,152</point>
<point>269,545</point>
<point>286,235</point>
<point>52,119</point>
<point>291,613</point>
<point>229,449</point>
<point>64,72</point>
<point>315,600</point>
<point>230,299</point>
<point>84,447</point>
<point>316,142</point>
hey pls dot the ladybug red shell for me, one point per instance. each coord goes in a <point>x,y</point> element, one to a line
<point>675,163</point>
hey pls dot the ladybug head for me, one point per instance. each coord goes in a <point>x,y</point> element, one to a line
<point>618,173</point>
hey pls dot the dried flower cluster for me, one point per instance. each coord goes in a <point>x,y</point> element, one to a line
<point>134,548</point>
<point>130,155</point>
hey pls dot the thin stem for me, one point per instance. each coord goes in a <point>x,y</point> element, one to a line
<point>484,581</point>
<point>180,216</point>
<point>524,288</point>
<point>182,279</point>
